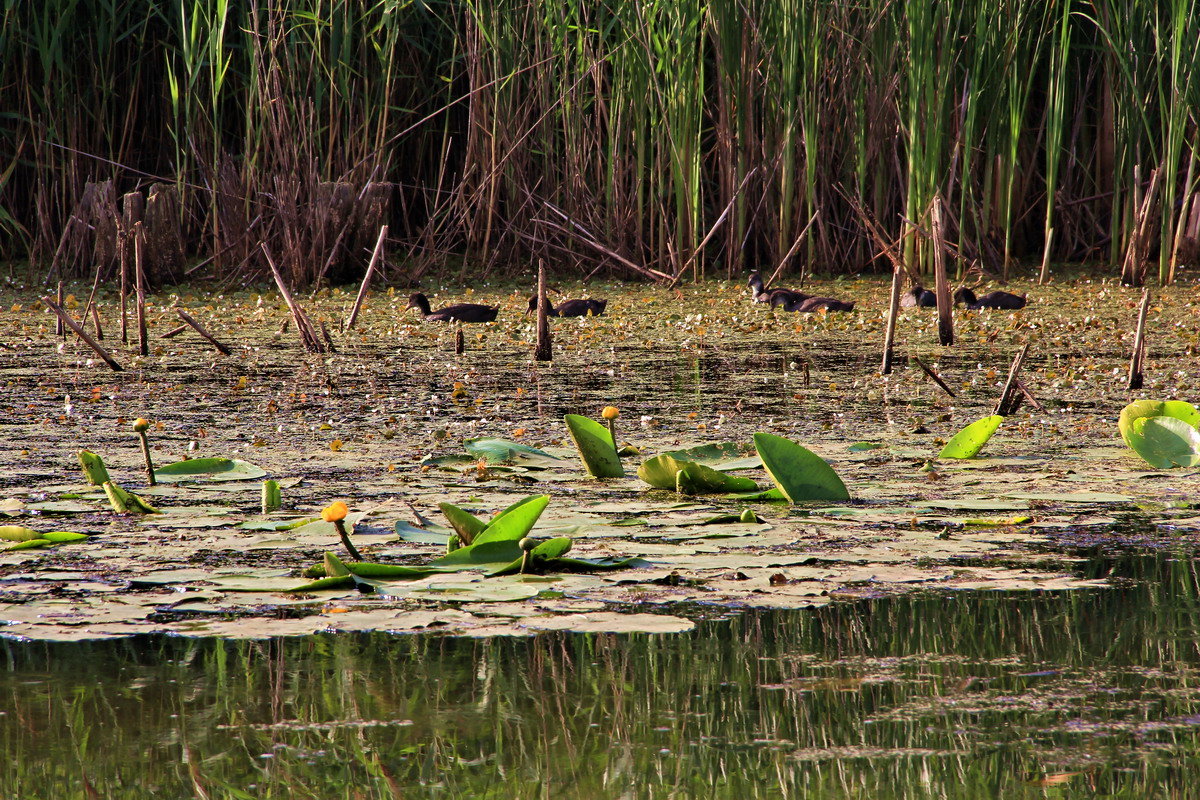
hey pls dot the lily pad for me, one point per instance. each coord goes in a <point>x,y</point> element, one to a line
<point>1177,409</point>
<point>502,451</point>
<point>971,439</point>
<point>596,447</point>
<point>464,523</point>
<point>799,473</point>
<point>688,477</point>
<point>209,469</point>
<point>1165,442</point>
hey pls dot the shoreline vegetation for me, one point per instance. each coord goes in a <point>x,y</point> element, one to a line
<point>660,141</point>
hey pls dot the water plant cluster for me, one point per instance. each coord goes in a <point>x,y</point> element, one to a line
<point>663,139</point>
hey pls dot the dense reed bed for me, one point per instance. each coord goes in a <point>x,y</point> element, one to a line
<point>660,139</point>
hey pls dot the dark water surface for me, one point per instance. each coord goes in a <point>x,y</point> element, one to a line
<point>1077,694</point>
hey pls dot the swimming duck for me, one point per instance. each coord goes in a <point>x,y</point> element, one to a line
<point>997,299</point>
<point>757,290</point>
<point>572,308</point>
<point>918,297</point>
<point>810,304</point>
<point>460,312</point>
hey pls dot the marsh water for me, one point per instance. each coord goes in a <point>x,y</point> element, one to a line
<point>899,660</point>
<point>1091,693</point>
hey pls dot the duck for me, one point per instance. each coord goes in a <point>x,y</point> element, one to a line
<point>459,312</point>
<point>758,291</point>
<point>996,299</point>
<point>572,308</point>
<point>918,297</point>
<point>811,303</point>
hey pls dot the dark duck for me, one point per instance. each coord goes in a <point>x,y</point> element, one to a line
<point>791,300</point>
<point>918,297</point>
<point>571,308</point>
<point>997,299</point>
<point>459,312</point>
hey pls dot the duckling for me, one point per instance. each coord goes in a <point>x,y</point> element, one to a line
<point>460,312</point>
<point>572,308</point>
<point>997,299</point>
<point>918,297</point>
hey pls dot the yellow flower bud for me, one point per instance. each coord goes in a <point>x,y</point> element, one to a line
<point>141,425</point>
<point>610,412</point>
<point>335,512</point>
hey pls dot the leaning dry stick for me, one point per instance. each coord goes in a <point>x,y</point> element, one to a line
<point>366,281</point>
<point>81,333</point>
<point>186,317</point>
<point>308,335</point>
<point>1011,397</point>
<point>792,250</point>
<point>1136,377</point>
<point>936,378</point>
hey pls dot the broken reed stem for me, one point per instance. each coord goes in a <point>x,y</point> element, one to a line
<point>96,322</point>
<point>543,350</point>
<point>936,378</point>
<point>91,303</point>
<point>1033,401</point>
<point>81,333</point>
<point>171,334</point>
<point>460,341</point>
<point>889,336</point>
<point>941,285</point>
<point>366,281</point>
<point>1136,377</point>
<point>59,330</point>
<point>308,335</point>
<point>139,280</point>
<point>1045,273</point>
<point>123,250</point>
<point>1010,398</point>
<point>187,318</point>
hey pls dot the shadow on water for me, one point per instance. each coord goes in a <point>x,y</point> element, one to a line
<point>1079,694</point>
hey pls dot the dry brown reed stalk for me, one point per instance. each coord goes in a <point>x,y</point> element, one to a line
<point>62,315</point>
<point>304,326</point>
<point>1141,238</point>
<point>1137,360</point>
<point>941,283</point>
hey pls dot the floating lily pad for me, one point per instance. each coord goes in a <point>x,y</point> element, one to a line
<point>502,451</point>
<point>209,469</point>
<point>971,439</point>
<point>799,473</point>
<point>1165,442</point>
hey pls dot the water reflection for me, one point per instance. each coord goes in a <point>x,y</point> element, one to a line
<point>956,696</point>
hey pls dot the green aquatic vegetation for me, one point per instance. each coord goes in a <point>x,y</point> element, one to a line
<point>688,477</point>
<point>272,498</point>
<point>93,467</point>
<point>503,451</point>
<point>596,446</point>
<point>971,439</point>
<point>799,473</point>
<point>124,502</point>
<point>1163,432</point>
<point>209,469</point>
<point>24,538</point>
